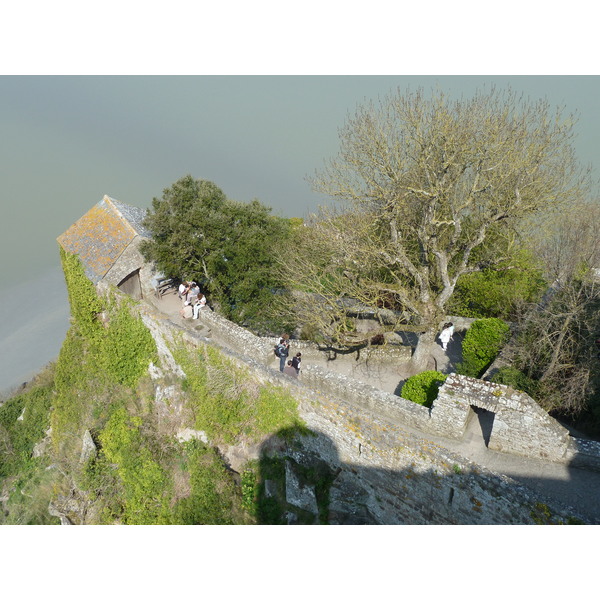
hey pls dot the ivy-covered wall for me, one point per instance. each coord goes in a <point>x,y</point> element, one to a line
<point>106,352</point>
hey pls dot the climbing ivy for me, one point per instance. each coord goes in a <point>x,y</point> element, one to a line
<point>123,346</point>
<point>127,346</point>
<point>101,359</point>
<point>83,299</point>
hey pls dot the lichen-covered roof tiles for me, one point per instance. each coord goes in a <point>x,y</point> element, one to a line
<point>102,234</point>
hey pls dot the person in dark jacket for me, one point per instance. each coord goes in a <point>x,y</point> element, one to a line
<point>283,349</point>
<point>296,362</point>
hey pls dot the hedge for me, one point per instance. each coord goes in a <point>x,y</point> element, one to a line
<point>423,387</point>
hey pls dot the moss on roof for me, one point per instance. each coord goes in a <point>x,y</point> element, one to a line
<point>100,237</point>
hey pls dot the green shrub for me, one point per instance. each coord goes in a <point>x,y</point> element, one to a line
<point>145,482</point>
<point>31,489</point>
<point>83,299</point>
<point>127,346</point>
<point>516,379</point>
<point>423,387</point>
<point>17,438</point>
<point>214,498</point>
<point>483,341</point>
<point>496,293</point>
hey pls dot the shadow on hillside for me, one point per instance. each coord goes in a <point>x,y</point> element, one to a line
<point>303,481</point>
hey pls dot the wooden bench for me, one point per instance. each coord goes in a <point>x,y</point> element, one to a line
<point>163,286</point>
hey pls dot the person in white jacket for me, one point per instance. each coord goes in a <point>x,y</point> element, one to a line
<point>446,335</point>
<point>199,303</point>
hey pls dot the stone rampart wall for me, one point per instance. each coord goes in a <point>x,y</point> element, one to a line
<point>520,426</point>
<point>385,473</point>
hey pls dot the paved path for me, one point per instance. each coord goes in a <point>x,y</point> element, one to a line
<point>572,487</point>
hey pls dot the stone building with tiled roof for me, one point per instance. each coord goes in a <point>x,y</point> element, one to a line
<point>107,239</point>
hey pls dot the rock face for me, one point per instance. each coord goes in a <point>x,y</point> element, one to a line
<point>299,495</point>
<point>42,447</point>
<point>54,512</point>
<point>88,448</point>
<point>187,434</point>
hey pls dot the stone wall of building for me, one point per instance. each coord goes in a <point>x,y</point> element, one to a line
<point>130,261</point>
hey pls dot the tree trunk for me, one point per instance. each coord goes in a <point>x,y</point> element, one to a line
<point>423,352</point>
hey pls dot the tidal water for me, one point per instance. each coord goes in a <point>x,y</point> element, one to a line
<point>34,318</point>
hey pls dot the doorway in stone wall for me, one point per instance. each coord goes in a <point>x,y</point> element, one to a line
<point>481,423</point>
<point>131,285</point>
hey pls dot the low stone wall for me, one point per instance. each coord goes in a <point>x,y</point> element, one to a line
<point>366,397</point>
<point>520,426</point>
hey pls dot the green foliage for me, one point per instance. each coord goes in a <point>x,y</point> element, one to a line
<point>225,246</point>
<point>214,498</point>
<point>482,343</point>
<point>124,348</point>
<point>145,483</point>
<point>250,487</point>
<point>496,293</point>
<point>423,387</point>
<point>32,487</point>
<point>517,380</point>
<point>275,409</point>
<point>98,362</point>
<point>127,347</point>
<point>85,303</point>
<point>101,481</point>
<point>17,438</point>
<point>227,403</point>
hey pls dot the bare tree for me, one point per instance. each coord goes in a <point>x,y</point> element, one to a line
<point>555,345</point>
<point>430,189</point>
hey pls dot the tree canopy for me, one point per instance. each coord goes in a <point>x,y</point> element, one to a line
<point>226,246</point>
<point>429,190</point>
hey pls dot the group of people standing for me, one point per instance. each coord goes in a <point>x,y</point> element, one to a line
<point>282,351</point>
<point>192,298</point>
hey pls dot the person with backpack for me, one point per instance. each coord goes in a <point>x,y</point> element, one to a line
<point>296,362</point>
<point>282,349</point>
